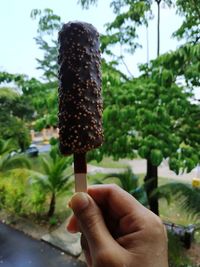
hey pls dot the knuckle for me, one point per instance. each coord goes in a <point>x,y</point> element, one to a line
<point>157,227</point>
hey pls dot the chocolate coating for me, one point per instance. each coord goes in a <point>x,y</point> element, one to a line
<point>80,101</point>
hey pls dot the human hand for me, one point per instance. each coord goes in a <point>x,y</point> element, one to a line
<point>117,231</point>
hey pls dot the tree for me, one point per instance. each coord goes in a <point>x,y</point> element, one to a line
<point>145,116</point>
<point>48,23</point>
<point>152,115</point>
<point>40,97</point>
<point>123,30</point>
<point>46,94</point>
<point>13,113</point>
<point>12,102</point>
<point>54,179</point>
<point>152,110</point>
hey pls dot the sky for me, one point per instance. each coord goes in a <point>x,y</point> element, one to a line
<point>18,49</point>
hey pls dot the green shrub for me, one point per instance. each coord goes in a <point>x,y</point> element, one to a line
<point>177,257</point>
<point>53,221</point>
<point>36,200</point>
<point>18,195</point>
<point>12,191</point>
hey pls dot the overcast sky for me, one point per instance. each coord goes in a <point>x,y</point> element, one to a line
<point>18,49</point>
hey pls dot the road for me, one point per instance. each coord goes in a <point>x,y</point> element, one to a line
<point>20,250</point>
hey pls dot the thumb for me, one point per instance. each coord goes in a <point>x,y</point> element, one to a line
<point>91,221</point>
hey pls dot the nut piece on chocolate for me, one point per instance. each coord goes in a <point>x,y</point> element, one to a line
<point>80,101</point>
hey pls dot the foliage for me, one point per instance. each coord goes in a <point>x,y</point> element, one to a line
<point>54,179</point>
<point>123,31</point>
<point>183,63</point>
<point>53,221</point>
<point>14,111</point>
<point>130,183</point>
<point>14,128</point>
<point>30,190</point>
<point>43,96</point>
<point>7,161</point>
<point>189,10</point>
<point>12,194</point>
<point>36,199</point>
<point>87,3</point>
<point>18,195</point>
<point>177,257</point>
<point>6,146</point>
<point>48,23</point>
<point>189,29</point>
<point>187,196</point>
<point>12,102</point>
<point>151,118</point>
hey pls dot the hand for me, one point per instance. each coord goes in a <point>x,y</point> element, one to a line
<point>117,231</point>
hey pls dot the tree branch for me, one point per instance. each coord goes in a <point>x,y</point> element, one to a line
<point>124,63</point>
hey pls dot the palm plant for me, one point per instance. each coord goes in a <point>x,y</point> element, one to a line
<point>7,161</point>
<point>188,196</point>
<point>130,183</point>
<point>53,179</point>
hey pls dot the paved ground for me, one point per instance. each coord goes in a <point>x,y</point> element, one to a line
<point>139,166</point>
<point>19,250</point>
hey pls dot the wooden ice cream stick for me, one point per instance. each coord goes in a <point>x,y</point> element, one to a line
<point>80,172</point>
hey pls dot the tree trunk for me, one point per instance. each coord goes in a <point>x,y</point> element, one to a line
<point>52,205</point>
<point>151,178</point>
<point>151,181</point>
<point>158,28</point>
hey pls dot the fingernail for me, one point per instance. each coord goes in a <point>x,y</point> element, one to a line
<point>79,202</point>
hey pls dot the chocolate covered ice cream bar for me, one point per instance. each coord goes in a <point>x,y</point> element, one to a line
<point>80,101</point>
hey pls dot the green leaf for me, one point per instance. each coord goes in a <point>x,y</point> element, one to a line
<point>174,165</point>
<point>156,157</point>
<point>143,152</point>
